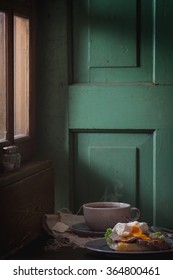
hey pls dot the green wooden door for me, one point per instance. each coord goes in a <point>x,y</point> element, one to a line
<point>120,105</point>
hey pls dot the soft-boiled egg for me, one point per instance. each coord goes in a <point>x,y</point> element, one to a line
<point>135,228</point>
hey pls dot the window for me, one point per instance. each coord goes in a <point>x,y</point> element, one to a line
<point>21,76</point>
<point>2,78</point>
<point>16,75</point>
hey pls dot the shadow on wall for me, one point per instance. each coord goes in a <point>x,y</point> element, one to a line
<point>91,185</point>
<point>52,92</point>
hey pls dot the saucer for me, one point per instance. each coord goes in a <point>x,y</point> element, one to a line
<point>82,229</point>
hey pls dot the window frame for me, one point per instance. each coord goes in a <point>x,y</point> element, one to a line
<point>25,9</point>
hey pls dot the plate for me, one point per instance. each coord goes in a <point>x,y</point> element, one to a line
<point>82,229</point>
<point>99,245</point>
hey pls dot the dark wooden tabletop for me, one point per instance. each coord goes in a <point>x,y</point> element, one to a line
<point>37,251</point>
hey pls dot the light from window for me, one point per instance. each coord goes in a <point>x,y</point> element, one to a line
<point>2,78</point>
<point>21,77</point>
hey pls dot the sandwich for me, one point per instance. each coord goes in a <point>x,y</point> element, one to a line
<point>135,237</point>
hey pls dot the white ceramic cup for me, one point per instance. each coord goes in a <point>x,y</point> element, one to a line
<point>101,215</point>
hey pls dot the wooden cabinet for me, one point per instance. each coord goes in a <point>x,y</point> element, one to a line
<point>25,196</point>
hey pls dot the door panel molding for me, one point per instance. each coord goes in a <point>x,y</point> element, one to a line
<point>113,165</point>
<point>112,42</point>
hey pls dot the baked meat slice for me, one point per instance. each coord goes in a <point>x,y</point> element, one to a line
<point>155,244</point>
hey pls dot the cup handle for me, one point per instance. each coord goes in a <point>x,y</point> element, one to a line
<point>137,216</point>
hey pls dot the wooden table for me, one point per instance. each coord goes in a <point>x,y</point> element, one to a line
<point>36,250</point>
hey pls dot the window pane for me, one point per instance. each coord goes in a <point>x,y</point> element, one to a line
<point>21,76</point>
<point>2,79</point>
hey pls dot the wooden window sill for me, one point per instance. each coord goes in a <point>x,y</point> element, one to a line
<point>27,169</point>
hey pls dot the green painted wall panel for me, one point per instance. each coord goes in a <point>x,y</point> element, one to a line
<point>114,166</point>
<point>146,182</point>
<point>120,107</point>
<point>112,42</point>
<point>163,178</point>
<point>112,39</point>
<point>79,42</point>
<point>164,42</point>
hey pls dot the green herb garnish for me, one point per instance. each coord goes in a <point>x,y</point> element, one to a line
<point>107,233</point>
<point>158,235</point>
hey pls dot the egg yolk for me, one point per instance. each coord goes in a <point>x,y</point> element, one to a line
<point>122,246</point>
<point>136,231</point>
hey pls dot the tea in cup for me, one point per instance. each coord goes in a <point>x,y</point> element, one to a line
<point>101,215</point>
